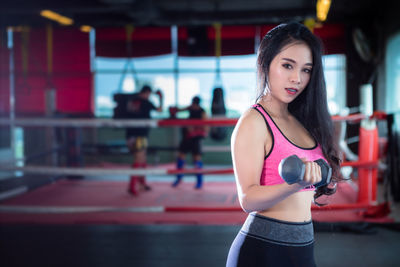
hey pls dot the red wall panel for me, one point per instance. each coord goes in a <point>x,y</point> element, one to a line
<point>68,73</point>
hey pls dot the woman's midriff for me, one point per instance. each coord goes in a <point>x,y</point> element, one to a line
<point>295,208</point>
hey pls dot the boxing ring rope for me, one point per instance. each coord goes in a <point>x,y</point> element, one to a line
<point>91,171</point>
<point>87,171</point>
<point>153,123</point>
<point>117,123</point>
<point>156,209</point>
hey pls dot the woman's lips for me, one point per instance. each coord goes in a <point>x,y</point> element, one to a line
<point>291,91</point>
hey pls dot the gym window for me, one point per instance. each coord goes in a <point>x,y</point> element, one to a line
<point>198,76</point>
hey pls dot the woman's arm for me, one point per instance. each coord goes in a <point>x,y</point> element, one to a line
<point>249,140</point>
<point>182,109</point>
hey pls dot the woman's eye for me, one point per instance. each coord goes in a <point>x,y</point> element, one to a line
<point>307,70</point>
<point>287,66</point>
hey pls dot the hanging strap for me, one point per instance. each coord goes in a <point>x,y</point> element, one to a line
<point>218,47</point>
<point>24,50</point>
<point>129,29</point>
<point>49,39</point>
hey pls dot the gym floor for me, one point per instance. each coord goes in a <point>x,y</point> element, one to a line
<point>181,245</point>
<point>31,241</point>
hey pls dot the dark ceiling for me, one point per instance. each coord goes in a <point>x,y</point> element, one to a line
<point>99,13</point>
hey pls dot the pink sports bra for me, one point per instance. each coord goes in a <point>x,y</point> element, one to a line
<point>281,148</point>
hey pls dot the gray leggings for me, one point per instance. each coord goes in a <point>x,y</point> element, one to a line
<point>264,241</point>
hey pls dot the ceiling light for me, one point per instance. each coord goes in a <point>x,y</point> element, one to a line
<point>86,28</point>
<point>56,17</point>
<point>323,9</point>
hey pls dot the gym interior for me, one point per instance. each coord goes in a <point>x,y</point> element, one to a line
<point>68,70</point>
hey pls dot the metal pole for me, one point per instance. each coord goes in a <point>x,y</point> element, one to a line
<point>10,47</point>
<point>174,44</point>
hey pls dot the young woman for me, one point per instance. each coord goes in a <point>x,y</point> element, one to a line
<point>290,117</point>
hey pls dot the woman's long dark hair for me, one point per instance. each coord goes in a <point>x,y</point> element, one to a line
<point>310,107</point>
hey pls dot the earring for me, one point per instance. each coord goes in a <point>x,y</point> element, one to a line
<point>266,89</point>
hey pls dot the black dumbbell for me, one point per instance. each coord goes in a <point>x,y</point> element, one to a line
<point>292,169</point>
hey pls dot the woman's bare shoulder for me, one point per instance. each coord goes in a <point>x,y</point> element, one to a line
<point>251,123</point>
<point>251,117</point>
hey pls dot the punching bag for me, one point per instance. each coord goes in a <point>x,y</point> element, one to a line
<point>218,110</point>
<point>393,159</point>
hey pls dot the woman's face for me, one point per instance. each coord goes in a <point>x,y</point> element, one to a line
<point>290,72</point>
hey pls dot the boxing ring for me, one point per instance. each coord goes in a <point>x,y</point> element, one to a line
<point>367,167</point>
